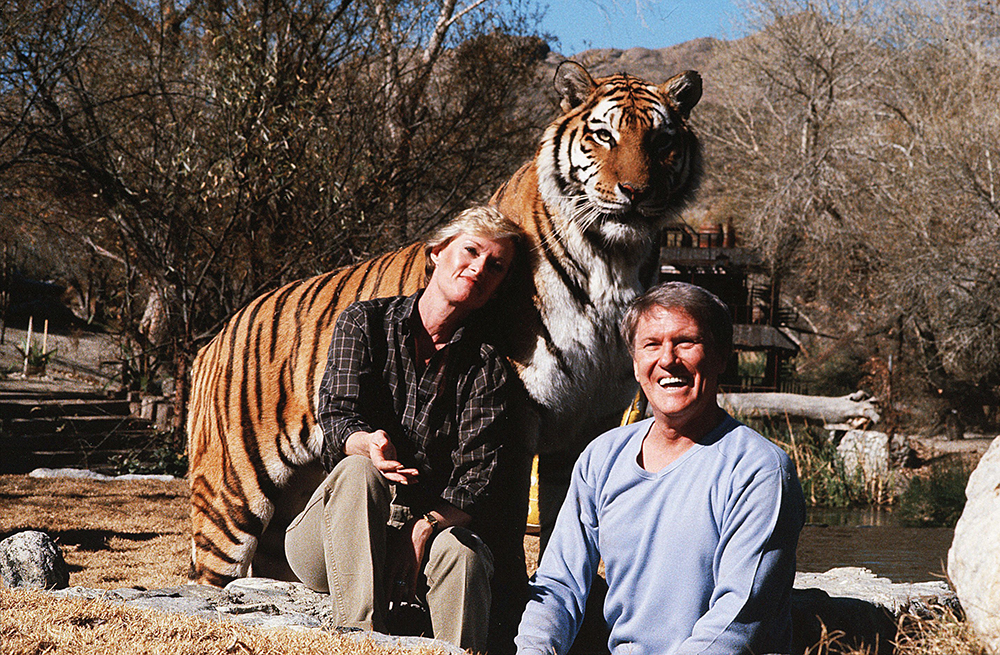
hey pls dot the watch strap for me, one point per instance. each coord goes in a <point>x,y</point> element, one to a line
<point>435,524</point>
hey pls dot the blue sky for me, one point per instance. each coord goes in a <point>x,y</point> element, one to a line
<point>582,24</point>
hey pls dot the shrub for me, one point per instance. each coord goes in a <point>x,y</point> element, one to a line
<point>936,498</point>
<point>161,460</point>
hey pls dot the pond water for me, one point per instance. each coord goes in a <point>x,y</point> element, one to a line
<point>874,539</point>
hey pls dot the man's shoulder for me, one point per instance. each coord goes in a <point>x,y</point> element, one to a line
<point>748,446</point>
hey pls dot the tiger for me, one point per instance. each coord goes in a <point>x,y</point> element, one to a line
<point>617,163</point>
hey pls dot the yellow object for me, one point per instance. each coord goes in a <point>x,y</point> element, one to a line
<point>636,411</point>
<point>533,523</point>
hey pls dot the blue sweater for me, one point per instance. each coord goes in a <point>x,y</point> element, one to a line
<point>699,557</point>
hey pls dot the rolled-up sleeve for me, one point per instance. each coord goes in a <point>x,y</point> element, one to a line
<point>348,364</point>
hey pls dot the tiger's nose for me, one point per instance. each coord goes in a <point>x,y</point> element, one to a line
<point>630,191</point>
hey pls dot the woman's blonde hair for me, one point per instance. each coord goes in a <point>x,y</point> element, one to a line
<point>482,221</point>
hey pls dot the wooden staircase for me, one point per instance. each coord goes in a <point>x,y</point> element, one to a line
<point>68,428</point>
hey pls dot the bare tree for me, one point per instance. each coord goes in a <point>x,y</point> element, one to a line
<point>858,142</point>
<point>215,149</point>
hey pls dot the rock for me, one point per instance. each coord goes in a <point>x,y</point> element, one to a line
<point>84,474</point>
<point>849,600</point>
<point>32,559</point>
<point>861,606</point>
<point>974,556</point>
<point>256,601</point>
<point>867,451</point>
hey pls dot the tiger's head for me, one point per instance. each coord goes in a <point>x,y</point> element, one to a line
<point>622,157</point>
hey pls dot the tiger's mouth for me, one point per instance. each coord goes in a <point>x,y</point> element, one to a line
<point>633,215</point>
<point>645,210</point>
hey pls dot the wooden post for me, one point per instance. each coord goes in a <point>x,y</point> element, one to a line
<point>45,338</point>
<point>27,344</point>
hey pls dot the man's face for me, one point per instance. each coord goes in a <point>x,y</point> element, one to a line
<point>678,369</point>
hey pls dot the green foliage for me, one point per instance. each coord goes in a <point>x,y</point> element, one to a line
<point>751,365</point>
<point>161,460</point>
<point>824,481</point>
<point>37,358</point>
<point>936,499</point>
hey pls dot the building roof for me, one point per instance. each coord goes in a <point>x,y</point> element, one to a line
<point>686,256</point>
<point>760,337</point>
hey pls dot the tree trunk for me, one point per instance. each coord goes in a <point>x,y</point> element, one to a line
<point>818,408</point>
<point>180,397</point>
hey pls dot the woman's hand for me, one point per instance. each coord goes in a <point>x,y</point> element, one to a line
<point>377,447</point>
<point>406,555</point>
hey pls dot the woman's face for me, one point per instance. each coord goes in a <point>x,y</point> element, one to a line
<point>468,269</point>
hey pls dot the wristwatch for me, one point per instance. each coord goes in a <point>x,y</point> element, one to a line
<point>433,521</point>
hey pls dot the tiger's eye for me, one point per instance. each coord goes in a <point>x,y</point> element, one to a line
<point>662,143</point>
<point>604,136</point>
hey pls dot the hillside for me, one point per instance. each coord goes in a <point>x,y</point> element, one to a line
<point>653,65</point>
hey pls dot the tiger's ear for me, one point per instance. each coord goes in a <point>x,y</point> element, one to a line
<point>573,83</point>
<point>684,90</point>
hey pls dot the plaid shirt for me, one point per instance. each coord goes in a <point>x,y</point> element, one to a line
<point>448,421</point>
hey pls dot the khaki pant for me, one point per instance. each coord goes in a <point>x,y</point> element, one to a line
<point>338,545</point>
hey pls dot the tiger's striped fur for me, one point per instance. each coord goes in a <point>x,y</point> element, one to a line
<point>608,173</point>
<point>251,419</point>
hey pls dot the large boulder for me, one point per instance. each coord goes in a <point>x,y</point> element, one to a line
<point>32,559</point>
<point>974,557</point>
<point>855,609</point>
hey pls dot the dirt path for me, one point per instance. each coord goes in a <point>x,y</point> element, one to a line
<point>114,533</point>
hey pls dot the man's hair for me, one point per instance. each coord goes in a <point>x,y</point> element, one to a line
<point>703,305</point>
<point>481,221</point>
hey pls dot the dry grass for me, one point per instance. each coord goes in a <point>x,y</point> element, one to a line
<point>32,623</point>
<point>115,534</point>
<point>125,534</point>
<point>946,635</point>
<point>112,534</point>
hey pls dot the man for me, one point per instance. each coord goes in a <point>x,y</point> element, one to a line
<point>414,411</point>
<point>695,516</point>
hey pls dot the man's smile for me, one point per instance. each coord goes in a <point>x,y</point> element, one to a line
<point>671,381</point>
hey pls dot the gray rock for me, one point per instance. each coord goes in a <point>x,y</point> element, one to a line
<point>32,559</point>
<point>867,451</point>
<point>418,644</point>
<point>850,600</point>
<point>895,597</point>
<point>255,601</point>
<point>861,606</point>
<point>974,556</point>
<point>84,474</point>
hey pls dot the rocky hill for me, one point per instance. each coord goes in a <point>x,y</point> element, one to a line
<point>653,65</point>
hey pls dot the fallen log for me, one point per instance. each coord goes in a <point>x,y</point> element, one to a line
<point>854,408</point>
